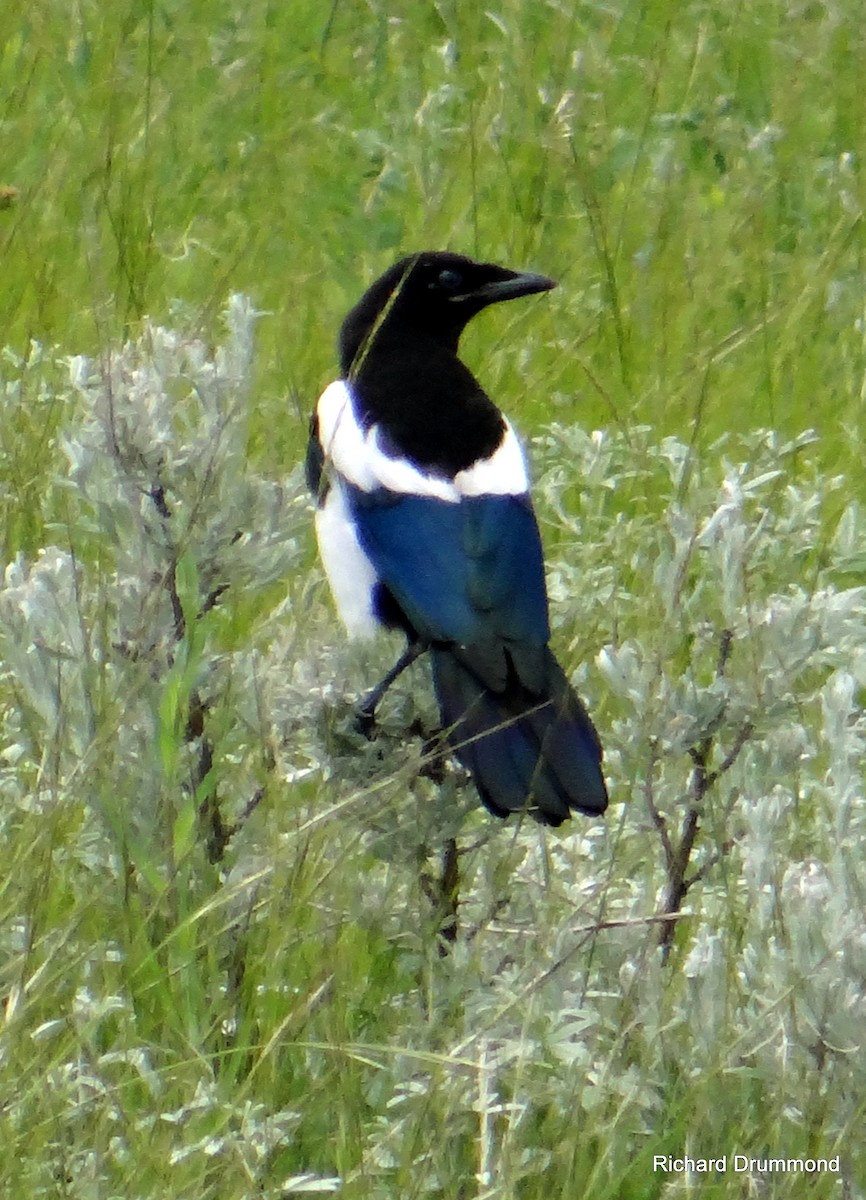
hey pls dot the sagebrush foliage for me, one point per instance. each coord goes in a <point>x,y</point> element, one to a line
<point>217,948</point>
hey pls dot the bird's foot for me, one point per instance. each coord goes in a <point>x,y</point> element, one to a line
<point>365,714</point>
<point>365,721</point>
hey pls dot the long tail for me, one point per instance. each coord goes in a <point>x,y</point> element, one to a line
<point>536,750</point>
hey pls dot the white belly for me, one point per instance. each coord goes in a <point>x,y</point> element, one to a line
<point>350,573</point>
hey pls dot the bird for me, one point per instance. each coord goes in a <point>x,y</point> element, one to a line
<point>425,525</point>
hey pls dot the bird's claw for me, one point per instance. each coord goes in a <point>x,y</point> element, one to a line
<point>365,722</point>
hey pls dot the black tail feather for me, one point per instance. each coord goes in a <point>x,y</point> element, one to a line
<point>536,750</point>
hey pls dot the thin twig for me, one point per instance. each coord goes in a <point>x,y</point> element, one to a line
<point>655,816</point>
<point>733,754</point>
<point>702,780</point>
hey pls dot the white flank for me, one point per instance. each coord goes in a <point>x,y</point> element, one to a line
<point>350,573</point>
<point>357,456</point>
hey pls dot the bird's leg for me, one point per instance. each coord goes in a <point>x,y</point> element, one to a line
<point>366,712</point>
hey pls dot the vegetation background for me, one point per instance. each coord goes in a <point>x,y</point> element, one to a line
<point>218,905</point>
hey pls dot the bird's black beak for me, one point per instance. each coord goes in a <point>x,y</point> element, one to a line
<point>518,284</point>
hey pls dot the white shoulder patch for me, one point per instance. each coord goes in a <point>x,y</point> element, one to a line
<point>401,475</point>
<point>359,458</point>
<point>502,474</point>
<point>342,438</point>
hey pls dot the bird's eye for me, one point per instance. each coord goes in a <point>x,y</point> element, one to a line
<point>450,281</point>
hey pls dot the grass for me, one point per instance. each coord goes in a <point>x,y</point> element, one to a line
<point>219,955</point>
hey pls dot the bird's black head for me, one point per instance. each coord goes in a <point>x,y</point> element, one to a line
<point>434,294</point>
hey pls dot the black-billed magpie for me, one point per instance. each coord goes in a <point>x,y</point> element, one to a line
<point>425,524</point>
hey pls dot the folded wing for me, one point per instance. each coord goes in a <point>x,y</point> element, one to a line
<point>469,578</point>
